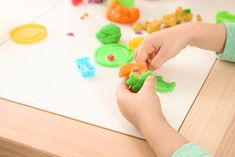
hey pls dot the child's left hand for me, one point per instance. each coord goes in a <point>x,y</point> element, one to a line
<point>143,109</point>
<point>138,107</point>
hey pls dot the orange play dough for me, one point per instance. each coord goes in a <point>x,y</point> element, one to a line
<point>120,14</point>
<point>127,69</point>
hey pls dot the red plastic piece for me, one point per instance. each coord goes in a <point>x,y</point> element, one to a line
<point>111,57</point>
<point>70,34</point>
<point>86,14</point>
<point>76,2</point>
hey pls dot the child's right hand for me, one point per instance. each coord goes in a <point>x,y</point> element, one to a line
<point>159,47</point>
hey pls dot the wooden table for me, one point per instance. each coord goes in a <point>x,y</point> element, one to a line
<point>29,132</point>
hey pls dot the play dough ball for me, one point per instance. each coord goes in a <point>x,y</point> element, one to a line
<point>121,14</point>
<point>121,55</point>
<point>109,34</point>
<point>29,33</point>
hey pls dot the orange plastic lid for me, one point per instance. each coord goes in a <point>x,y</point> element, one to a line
<point>29,33</point>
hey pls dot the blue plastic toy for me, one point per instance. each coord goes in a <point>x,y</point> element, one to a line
<point>85,67</point>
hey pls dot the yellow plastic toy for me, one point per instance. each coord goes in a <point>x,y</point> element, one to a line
<point>137,27</point>
<point>134,43</point>
<point>29,33</point>
<point>199,18</point>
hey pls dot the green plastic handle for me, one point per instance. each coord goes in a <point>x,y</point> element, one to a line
<point>125,3</point>
<point>224,16</point>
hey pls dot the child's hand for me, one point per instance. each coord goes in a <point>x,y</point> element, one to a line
<point>161,46</point>
<point>138,107</point>
<point>143,110</point>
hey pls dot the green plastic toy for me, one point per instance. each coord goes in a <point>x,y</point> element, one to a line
<point>224,16</point>
<point>163,86</point>
<point>113,55</point>
<point>125,3</point>
<point>109,34</point>
<point>136,83</point>
<point>187,11</point>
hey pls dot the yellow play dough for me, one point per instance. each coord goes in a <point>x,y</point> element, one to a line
<point>29,33</point>
<point>134,43</point>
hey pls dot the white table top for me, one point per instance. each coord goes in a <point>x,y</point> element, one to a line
<point>45,76</point>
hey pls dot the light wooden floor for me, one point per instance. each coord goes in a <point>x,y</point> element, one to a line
<point>28,132</point>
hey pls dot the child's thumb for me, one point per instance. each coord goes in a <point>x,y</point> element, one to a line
<point>149,84</point>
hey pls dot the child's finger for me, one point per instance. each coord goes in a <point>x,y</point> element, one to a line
<point>122,87</point>
<point>135,55</point>
<point>158,60</point>
<point>142,54</point>
<point>123,92</point>
<point>149,84</point>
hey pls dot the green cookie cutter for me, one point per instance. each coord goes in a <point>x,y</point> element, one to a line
<point>163,86</point>
<point>136,83</point>
<point>224,16</point>
<point>121,53</point>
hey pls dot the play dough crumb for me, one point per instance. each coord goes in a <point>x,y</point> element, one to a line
<point>111,57</point>
<point>76,2</point>
<point>70,34</point>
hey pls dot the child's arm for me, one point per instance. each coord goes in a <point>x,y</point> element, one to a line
<point>143,110</point>
<point>168,43</point>
<point>207,36</point>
